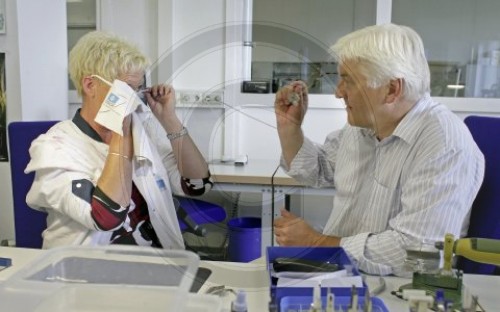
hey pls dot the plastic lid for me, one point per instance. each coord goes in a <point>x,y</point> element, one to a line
<point>81,278</point>
<point>240,303</point>
<point>109,265</point>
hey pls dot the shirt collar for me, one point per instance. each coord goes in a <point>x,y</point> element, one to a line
<point>407,129</point>
<point>84,126</point>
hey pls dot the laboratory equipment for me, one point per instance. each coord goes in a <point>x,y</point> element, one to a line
<point>294,272</point>
<point>293,98</point>
<point>240,303</point>
<point>484,250</point>
<point>446,284</point>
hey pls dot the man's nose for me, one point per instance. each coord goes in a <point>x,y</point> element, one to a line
<point>339,94</point>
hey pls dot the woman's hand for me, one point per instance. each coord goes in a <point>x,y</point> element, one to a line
<point>161,99</point>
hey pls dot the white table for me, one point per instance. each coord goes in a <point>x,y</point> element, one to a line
<point>256,177</point>
<point>253,278</point>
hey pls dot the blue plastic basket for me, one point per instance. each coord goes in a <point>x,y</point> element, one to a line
<point>335,255</point>
<point>303,303</point>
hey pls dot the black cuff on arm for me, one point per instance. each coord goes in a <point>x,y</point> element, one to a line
<point>107,214</point>
<point>105,200</point>
<point>196,187</point>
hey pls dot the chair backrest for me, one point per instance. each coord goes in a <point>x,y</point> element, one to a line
<point>29,223</point>
<point>485,213</point>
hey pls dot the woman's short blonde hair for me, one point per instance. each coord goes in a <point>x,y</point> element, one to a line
<point>104,54</point>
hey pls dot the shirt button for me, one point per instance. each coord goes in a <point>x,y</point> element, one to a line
<point>78,185</point>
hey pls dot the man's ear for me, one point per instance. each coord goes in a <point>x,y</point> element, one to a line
<point>395,90</point>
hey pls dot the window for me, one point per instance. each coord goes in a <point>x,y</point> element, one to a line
<point>461,38</point>
<point>462,41</point>
<point>81,15</point>
<point>291,39</point>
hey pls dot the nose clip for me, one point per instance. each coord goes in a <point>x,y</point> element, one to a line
<point>142,95</point>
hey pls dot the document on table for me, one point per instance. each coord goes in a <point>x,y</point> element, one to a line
<point>332,279</point>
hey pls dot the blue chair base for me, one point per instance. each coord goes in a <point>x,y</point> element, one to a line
<point>201,212</point>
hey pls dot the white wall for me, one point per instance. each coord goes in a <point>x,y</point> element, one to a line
<point>36,74</point>
<point>137,20</point>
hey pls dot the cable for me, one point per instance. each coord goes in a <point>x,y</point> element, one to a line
<point>379,288</point>
<point>234,210</point>
<point>272,204</point>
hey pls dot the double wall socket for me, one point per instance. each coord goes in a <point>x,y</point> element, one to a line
<point>201,98</point>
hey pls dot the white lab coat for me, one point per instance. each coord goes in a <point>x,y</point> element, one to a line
<point>65,154</point>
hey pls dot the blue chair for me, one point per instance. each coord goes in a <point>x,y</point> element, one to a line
<point>193,213</point>
<point>485,213</point>
<point>30,223</point>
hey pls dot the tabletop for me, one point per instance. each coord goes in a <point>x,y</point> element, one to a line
<point>256,171</point>
<point>253,278</point>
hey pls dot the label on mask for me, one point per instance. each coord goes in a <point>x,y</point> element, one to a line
<point>113,100</point>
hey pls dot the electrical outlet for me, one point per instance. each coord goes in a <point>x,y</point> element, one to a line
<point>199,98</point>
<point>188,97</point>
<point>213,98</point>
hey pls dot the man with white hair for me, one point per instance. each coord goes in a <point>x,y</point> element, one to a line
<point>405,168</point>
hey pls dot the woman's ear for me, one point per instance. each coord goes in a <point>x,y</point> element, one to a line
<point>88,86</point>
<point>395,90</point>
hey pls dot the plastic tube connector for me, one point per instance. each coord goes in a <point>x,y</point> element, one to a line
<point>240,303</point>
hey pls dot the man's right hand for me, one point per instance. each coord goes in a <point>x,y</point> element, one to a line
<point>291,104</point>
<point>290,107</point>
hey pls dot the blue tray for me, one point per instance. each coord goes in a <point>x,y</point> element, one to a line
<point>303,303</point>
<point>331,254</point>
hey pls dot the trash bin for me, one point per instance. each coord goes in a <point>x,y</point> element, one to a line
<point>244,239</point>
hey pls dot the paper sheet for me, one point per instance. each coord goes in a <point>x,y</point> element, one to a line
<point>332,279</point>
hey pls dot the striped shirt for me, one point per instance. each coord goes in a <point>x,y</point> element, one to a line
<point>411,187</point>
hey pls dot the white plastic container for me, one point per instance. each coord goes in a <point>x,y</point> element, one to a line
<point>87,298</point>
<point>106,278</point>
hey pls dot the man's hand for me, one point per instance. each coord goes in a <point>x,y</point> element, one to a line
<point>290,107</point>
<point>291,104</point>
<point>291,230</point>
